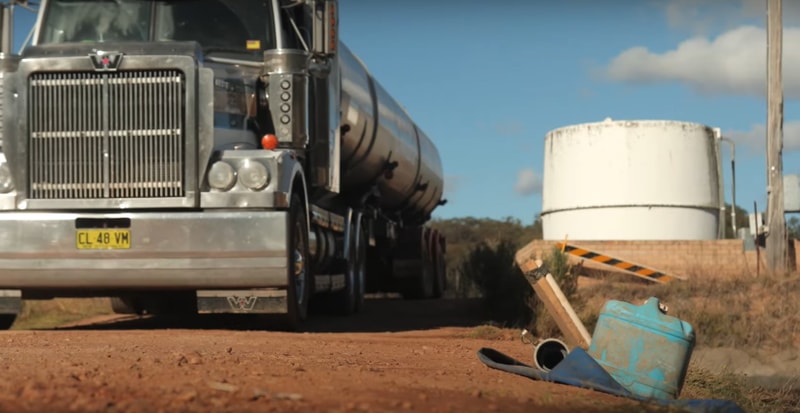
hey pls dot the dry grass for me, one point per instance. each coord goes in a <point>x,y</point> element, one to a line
<point>491,332</point>
<point>740,312</point>
<point>703,384</point>
<point>51,313</point>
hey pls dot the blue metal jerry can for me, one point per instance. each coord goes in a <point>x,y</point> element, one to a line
<point>642,348</point>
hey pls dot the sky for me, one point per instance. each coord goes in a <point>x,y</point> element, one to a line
<point>487,80</point>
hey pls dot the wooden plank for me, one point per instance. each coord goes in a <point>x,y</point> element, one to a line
<point>554,300</point>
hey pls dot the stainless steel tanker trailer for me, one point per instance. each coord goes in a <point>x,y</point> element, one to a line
<point>227,156</point>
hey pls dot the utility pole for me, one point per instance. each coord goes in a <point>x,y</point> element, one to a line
<point>776,238</point>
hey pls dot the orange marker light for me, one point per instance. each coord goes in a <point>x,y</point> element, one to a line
<point>269,141</point>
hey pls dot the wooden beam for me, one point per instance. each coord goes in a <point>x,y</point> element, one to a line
<point>556,303</point>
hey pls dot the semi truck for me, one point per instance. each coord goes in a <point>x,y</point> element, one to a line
<point>208,156</point>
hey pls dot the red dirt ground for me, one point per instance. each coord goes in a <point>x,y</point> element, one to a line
<point>394,357</point>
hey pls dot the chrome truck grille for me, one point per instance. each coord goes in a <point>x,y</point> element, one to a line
<point>107,135</point>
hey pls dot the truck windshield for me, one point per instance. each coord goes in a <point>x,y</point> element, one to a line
<point>240,27</point>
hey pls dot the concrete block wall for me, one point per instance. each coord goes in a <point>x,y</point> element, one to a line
<point>707,258</point>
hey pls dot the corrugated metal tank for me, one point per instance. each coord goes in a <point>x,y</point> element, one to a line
<point>632,180</point>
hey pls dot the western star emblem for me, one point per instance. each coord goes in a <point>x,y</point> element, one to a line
<point>242,303</point>
<point>105,61</point>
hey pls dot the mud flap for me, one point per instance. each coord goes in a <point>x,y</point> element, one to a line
<point>241,301</point>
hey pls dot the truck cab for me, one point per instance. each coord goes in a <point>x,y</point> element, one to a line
<point>195,155</point>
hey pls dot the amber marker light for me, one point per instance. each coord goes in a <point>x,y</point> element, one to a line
<point>269,141</point>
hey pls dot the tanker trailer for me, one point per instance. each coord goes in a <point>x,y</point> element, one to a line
<point>212,156</point>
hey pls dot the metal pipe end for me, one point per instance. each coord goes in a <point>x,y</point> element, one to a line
<point>548,353</point>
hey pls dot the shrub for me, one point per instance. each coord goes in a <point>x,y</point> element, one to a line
<point>504,290</point>
<point>566,276</point>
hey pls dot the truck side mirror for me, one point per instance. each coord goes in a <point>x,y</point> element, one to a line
<point>326,27</point>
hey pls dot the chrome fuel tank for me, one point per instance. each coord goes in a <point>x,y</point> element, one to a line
<point>381,145</point>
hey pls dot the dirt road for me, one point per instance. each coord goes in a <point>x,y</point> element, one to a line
<point>424,359</point>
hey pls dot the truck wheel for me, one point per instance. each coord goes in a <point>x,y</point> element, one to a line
<point>428,277</point>
<point>298,271</point>
<point>421,285</point>
<point>440,267</point>
<point>361,266</point>
<point>343,302</point>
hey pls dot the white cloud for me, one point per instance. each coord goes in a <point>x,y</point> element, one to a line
<point>732,63</point>
<point>755,139</point>
<point>529,182</point>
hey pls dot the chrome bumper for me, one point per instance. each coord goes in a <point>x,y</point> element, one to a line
<point>191,250</point>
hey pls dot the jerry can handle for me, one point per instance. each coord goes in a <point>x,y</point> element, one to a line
<point>656,303</point>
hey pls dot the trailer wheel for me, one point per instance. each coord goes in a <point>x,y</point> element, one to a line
<point>298,270</point>
<point>427,281</point>
<point>421,285</point>
<point>440,267</point>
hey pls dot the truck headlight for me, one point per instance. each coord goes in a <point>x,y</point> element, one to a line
<point>253,175</point>
<point>221,176</point>
<point>6,185</point>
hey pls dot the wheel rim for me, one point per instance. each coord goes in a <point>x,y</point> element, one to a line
<point>299,265</point>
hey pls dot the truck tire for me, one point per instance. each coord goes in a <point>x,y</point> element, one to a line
<point>343,302</point>
<point>423,284</point>
<point>440,268</point>
<point>298,288</point>
<point>349,299</point>
<point>361,266</point>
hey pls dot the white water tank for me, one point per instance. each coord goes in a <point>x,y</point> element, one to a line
<point>632,180</point>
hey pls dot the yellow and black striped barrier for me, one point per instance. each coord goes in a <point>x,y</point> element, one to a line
<point>635,269</point>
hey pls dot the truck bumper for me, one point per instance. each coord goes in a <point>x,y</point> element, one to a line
<point>186,250</point>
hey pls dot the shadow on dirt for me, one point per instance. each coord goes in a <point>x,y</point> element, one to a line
<point>377,315</point>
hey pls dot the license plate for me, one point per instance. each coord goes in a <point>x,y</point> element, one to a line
<point>103,239</point>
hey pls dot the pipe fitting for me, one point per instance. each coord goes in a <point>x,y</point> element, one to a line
<point>548,353</point>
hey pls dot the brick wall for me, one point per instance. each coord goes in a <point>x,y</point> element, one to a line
<point>681,258</point>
